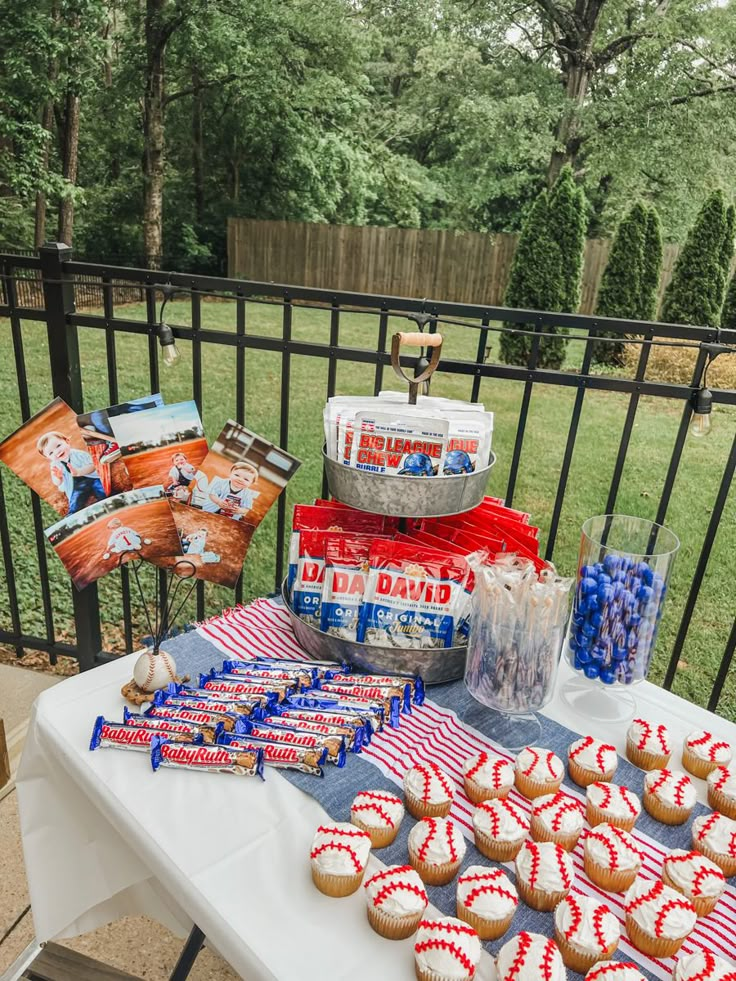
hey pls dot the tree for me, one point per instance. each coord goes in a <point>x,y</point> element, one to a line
<point>621,289</point>
<point>728,314</point>
<point>567,225</point>
<point>727,247</point>
<point>651,267</point>
<point>695,293</point>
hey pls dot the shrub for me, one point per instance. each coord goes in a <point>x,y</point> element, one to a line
<point>651,267</point>
<point>621,289</point>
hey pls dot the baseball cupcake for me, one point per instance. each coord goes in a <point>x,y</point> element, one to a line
<point>538,772</point>
<point>379,814</point>
<point>436,849</point>
<point>648,745</point>
<point>696,877</point>
<point>529,957</point>
<point>485,777</point>
<point>428,791</point>
<point>669,796</point>
<point>615,971</point>
<point>703,966</point>
<point>703,752</point>
<point>658,919</point>
<point>338,857</point>
<point>487,900</point>
<point>589,760</point>
<point>586,932</point>
<point>607,803</point>
<point>446,949</point>
<point>610,858</point>
<point>722,790</point>
<point>557,817</point>
<point>714,835</point>
<point>500,827</point>
<point>395,901</point>
<point>544,874</point>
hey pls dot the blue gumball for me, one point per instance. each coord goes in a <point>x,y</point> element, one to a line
<point>598,653</point>
<point>589,630</point>
<point>619,576</point>
<point>648,576</point>
<point>588,585</point>
<point>634,619</point>
<point>618,589</point>
<point>605,593</point>
<point>611,564</point>
<point>604,580</point>
<point>578,663</point>
<point>597,620</point>
<point>591,671</point>
<point>608,676</point>
<point>644,594</point>
<point>588,572</point>
<point>583,655</point>
<point>591,603</point>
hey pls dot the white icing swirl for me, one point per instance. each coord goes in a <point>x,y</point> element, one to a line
<point>500,820</point>
<point>559,813</point>
<point>611,848</point>
<point>614,971</point>
<point>530,957</point>
<point>694,874</point>
<point>658,910</point>
<point>437,841</point>
<point>544,865</point>
<point>594,755</point>
<point>619,802</point>
<point>650,737</point>
<point>708,747</point>
<point>704,966</point>
<point>717,832</point>
<point>487,892</point>
<point>587,924</point>
<point>397,890</point>
<point>447,947</point>
<point>489,772</point>
<point>539,764</point>
<point>428,783</point>
<point>672,787</point>
<point>340,849</point>
<point>723,779</point>
<point>377,809</point>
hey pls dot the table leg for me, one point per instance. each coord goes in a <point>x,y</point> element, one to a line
<point>195,942</point>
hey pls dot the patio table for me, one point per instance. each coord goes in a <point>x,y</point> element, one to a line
<point>105,837</point>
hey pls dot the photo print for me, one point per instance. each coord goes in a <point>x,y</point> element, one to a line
<point>242,475</point>
<point>163,445</point>
<point>137,524</point>
<point>50,455</point>
<point>214,544</point>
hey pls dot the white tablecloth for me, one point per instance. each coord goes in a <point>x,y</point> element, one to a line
<point>105,837</point>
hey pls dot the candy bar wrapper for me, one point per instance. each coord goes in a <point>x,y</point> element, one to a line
<point>118,735</point>
<point>245,705</point>
<point>296,736</point>
<point>194,700</point>
<point>356,729</point>
<point>415,682</point>
<point>167,726</point>
<point>216,759</point>
<point>376,711</point>
<point>321,667</point>
<point>281,756</point>
<point>239,689</point>
<point>301,677</point>
<point>382,693</point>
<point>198,717</point>
<point>283,687</point>
<point>352,737</point>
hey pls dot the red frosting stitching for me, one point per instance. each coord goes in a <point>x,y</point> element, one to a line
<point>710,964</point>
<point>439,943</point>
<point>664,776</point>
<point>645,735</point>
<point>525,942</point>
<point>357,833</point>
<point>611,967</point>
<point>662,915</point>
<point>482,760</point>
<point>374,807</point>
<point>535,754</point>
<point>645,897</point>
<point>723,775</point>
<point>338,846</point>
<point>706,737</point>
<point>682,783</point>
<point>498,767</point>
<point>428,770</point>
<point>547,958</point>
<point>450,841</point>
<point>532,847</point>
<point>714,750</point>
<point>394,887</point>
<point>423,848</point>
<point>386,872</point>
<point>583,744</point>
<point>598,914</point>
<point>491,887</point>
<point>577,916</point>
<point>707,825</point>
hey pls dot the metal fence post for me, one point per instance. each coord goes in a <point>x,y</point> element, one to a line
<point>66,380</point>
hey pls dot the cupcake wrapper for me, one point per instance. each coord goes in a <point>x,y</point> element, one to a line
<point>693,764</point>
<point>537,899</point>
<point>611,880</point>
<point>485,928</point>
<point>724,862</point>
<point>645,760</point>
<point>720,802</point>
<point>497,851</point>
<point>704,905</point>
<point>665,813</point>
<point>380,837</point>
<point>393,927</point>
<point>581,960</point>
<point>540,833</point>
<point>434,875</point>
<point>595,816</point>
<point>424,975</point>
<point>583,777</point>
<point>336,885</point>
<point>660,947</point>
<point>477,794</point>
<point>535,788</point>
<point>419,809</point>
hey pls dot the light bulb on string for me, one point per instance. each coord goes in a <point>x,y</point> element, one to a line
<point>700,424</point>
<point>169,350</point>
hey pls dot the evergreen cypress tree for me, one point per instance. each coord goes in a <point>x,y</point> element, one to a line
<point>728,314</point>
<point>695,293</point>
<point>727,249</point>
<point>651,267</point>
<point>620,293</point>
<point>567,225</point>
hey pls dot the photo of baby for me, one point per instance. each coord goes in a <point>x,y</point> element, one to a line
<point>181,475</point>
<point>124,542</point>
<point>102,446</point>
<point>214,544</point>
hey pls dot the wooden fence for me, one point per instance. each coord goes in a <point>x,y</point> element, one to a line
<point>467,267</point>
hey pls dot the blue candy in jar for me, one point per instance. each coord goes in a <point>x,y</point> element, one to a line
<point>591,671</point>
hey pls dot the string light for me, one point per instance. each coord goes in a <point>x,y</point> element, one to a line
<point>169,351</point>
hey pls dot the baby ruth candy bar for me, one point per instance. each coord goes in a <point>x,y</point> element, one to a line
<point>165,726</point>
<point>118,735</point>
<point>198,717</point>
<point>382,693</point>
<point>194,699</point>
<point>415,682</point>
<point>304,677</point>
<point>356,724</point>
<point>237,689</point>
<point>215,759</point>
<point>293,736</point>
<point>371,711</point>
<point>281,756</point>
<point>321,729</point>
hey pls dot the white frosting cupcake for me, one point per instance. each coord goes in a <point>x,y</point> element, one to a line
<point>538,771</point>
<point>436,849</point>
<point>611,804</point>
<point>611,858</point>
<point>708,747</point>
<point>669,796</point>
<point>722,790</point>
<point>696,877</point>
<point>487,900</point>
<point>715,836</point>
<point>500,827</point>
<point>446,948</point>
<point>590,759</point>
<point>428,791</point>
<point>703,966</point>
<point>544,874</point>
<point>396,900</point>
<point>614,971</point>
<point>557,817</point>
<point>338,858</point>
<point>487,776</point>
<point>658,918</point>
<point>379,813</point>
<point>648,744</point>
<point>530,957</point>
<point>586,931</point>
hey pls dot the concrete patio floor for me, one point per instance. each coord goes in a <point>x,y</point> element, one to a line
<point>134,944</point>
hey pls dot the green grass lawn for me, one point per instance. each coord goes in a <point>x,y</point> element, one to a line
<point>593,461</point>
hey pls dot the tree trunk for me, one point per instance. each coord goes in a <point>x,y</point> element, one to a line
<point>197,148</point>
<point>153,135</point>
<point>39,232</point>
<point>567,132</point>
<point>69,166</point>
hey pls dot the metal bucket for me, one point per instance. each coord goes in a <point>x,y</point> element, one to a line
<point>406,497</point>
<point>435,666</point>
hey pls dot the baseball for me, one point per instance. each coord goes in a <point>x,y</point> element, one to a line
<point>154,671</point>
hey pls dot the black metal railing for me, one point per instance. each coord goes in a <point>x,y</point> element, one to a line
<point>297,336</point>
